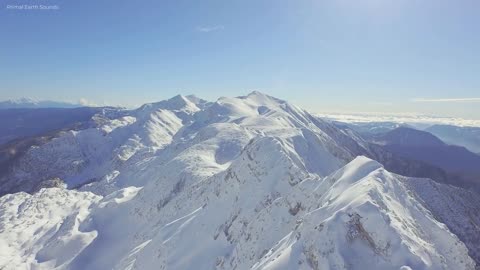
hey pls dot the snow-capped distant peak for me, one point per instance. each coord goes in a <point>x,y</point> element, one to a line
<point>180,99</point>
<point>262,98</point>
<point>33,103</point>
<point>22,100</point>
<point>176,103</point>
<point>196,99</point>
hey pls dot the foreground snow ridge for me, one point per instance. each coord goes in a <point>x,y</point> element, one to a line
<point>241,183</point>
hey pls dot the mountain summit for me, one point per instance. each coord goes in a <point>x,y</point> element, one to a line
<point>250,182</point>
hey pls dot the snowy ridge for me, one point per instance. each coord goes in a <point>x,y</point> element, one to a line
<point>241,183</point>
<point>88,155</point>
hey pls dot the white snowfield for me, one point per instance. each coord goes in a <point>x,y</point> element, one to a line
<point>241,183</point>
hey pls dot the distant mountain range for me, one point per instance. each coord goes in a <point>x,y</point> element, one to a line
<point>31,103</point>
<point>425,146</point>
<point>468,137</point>
<point>27,122</point>
<point>460,163</point>
<point>370,130</point>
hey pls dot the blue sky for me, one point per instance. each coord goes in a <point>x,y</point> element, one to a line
<point>324,55</point>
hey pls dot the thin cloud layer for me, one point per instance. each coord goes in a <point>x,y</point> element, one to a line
<point>407,118</point>
<point>446,100</point>
<point>208,29</point>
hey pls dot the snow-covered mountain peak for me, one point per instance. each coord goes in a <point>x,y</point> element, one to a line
<point>249,182</point>
<point>200,102</point>
<point>261,213</point>
<point>180,101</point>
<point>357,168</point>
<point>23,100</point>
<point>253,100</point>
<point>176,103</point>
<point>257,109</point>
<point>262,98</point>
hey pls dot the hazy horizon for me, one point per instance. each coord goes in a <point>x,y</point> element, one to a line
<point>361,116</point>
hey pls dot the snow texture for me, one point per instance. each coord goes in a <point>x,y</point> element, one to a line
<point>241,183</point>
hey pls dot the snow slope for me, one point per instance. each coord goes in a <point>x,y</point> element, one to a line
<point>241,183</point>
<point>79,157</point>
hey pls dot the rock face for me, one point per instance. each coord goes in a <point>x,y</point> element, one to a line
<point>242,183</point>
